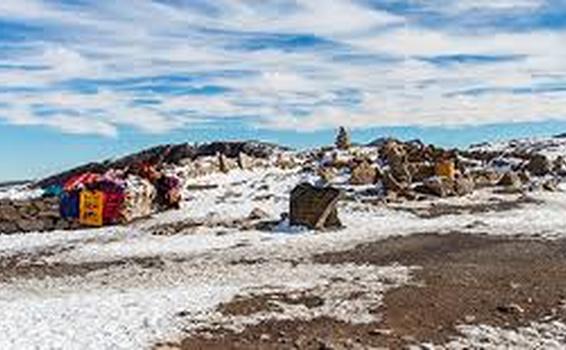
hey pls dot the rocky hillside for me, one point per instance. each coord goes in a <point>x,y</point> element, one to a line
<point>170,154</point>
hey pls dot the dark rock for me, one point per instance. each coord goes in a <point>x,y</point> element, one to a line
<point>550,185</point>
<point>258,214</point>
<point>314,207</point>
<point>245,162</point>
<point>559,166</point>
<point>343,140</point>
<point>539,165</point>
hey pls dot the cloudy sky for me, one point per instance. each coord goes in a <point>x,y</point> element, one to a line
<point>82,79</point>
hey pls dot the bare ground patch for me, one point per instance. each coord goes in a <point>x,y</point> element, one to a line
<point>464,279</point>
<point>435,210</point>
<point>23,267</point>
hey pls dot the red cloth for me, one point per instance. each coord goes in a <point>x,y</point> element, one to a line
<point>80,181</point>
<point>112,205</point>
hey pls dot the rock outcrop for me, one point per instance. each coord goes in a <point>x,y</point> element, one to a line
<point>168,154</point>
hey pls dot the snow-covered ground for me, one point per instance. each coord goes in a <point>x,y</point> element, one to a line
<point>127,304</point>
<point>20,192</point>
<point>551,147</point>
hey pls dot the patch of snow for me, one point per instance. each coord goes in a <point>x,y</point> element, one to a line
<point>20,193</point>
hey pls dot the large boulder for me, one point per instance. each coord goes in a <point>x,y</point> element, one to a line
<point>539,165</point>
<point>314,207</point>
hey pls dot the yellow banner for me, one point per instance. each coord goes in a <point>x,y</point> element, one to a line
<point>92,205</point>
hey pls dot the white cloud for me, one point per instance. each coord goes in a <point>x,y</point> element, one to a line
<point>293,89</point>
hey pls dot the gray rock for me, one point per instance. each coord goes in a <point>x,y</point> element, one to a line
<point>8,227</point>
<point>31,225</point>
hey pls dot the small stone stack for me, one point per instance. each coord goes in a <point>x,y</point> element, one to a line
<point>343,141</point>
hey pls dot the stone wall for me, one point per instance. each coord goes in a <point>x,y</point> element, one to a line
<point>33,215</point>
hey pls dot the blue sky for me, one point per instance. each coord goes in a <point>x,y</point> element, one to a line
<point>86,79</point>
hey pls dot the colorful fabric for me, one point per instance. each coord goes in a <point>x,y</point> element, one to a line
<point>69,205</point>
<point>445,168</point>
<point>53,191</point>
<point>80,181</point>
<point>168,191</point>
<point>112,207</point>
<point>91,208</point>
<point>139,196</point>
<point>107,186</point>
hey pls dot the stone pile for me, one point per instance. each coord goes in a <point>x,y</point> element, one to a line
<point>32,215</point>
<point>411,170</point>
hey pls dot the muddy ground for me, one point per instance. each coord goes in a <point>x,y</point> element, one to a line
<point>463,279</point>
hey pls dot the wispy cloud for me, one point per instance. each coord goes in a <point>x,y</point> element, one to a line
<point>93,67</point>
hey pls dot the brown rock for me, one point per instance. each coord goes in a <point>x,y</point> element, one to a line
<point>559,166</point>
<point>510,179</point>
<point>438,186</point>
<point>400,170</point>
<point>392,151</point>
<point>485,178</point>
<point>463,186</point>
<point>314,207</point>
<point>421,171</point>
<point>258,214</point>
<point>327,174</point>
<point>226,164</point>
<point>550,185</point>
<point>245,162</point>
<point>9,213</point>
<point>363,174</point>
<point>391,184</point>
